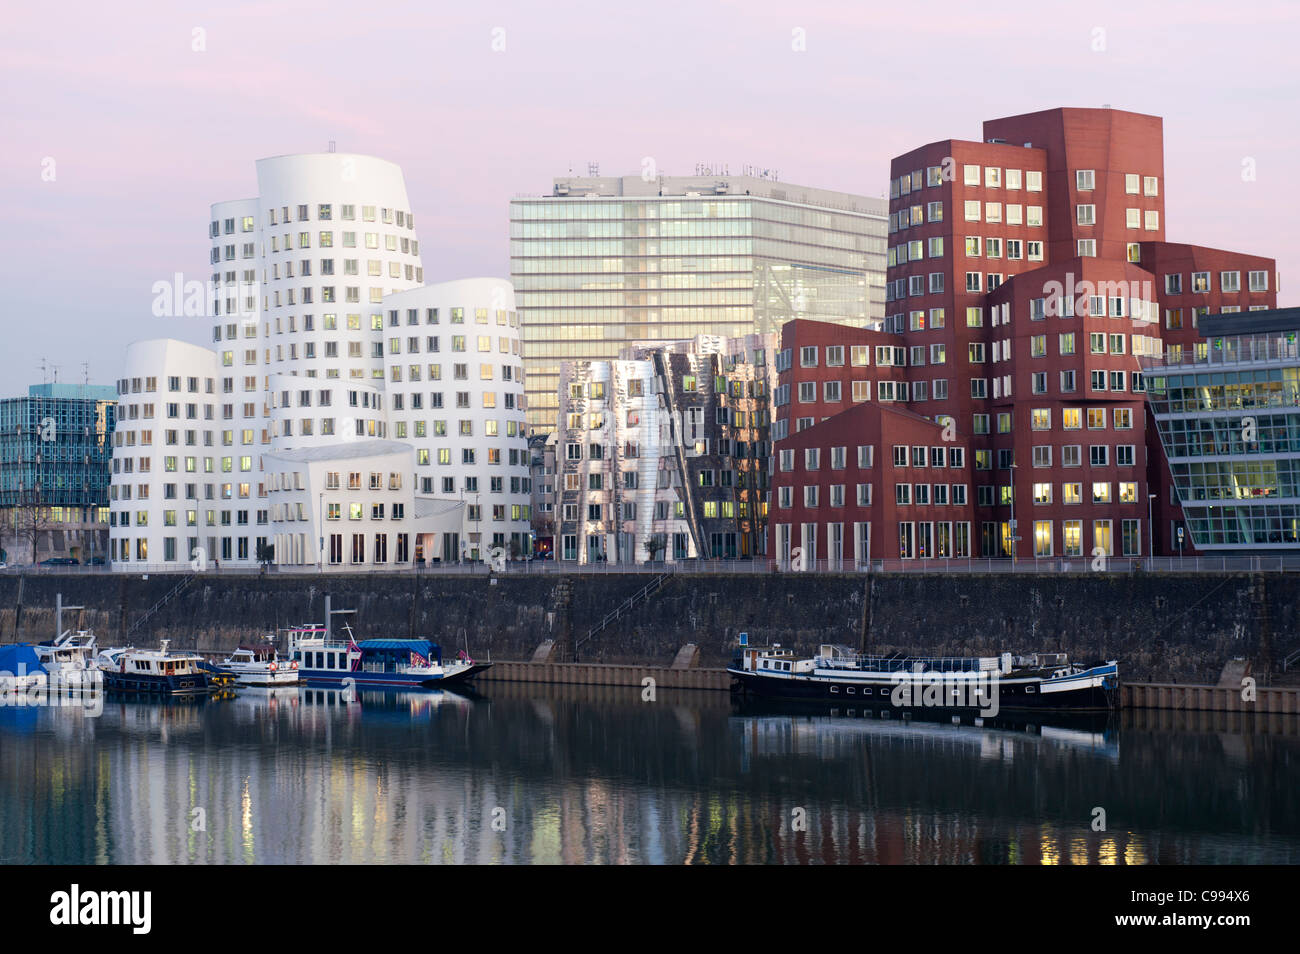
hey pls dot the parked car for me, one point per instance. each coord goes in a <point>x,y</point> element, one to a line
<point>95,561</point>
<point>60,561</point>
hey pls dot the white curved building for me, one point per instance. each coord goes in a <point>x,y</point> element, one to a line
<point>312,283</point>
<point>455,392</point>
<point>176,486</point>
<point>335,236</point>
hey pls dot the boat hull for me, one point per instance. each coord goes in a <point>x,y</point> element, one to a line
<point>388,680</point>
<point>146,684</point>
<point>1094,690</point>
<point>264,678</point>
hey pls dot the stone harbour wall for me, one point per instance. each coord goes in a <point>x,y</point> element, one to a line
<point>1162,627</point>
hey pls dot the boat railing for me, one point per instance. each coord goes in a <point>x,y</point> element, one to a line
<point>320,643</point>
<point>869,663</point>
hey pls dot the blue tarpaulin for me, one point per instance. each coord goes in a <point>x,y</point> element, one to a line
<point>421,646</point>
<point>19,659</point>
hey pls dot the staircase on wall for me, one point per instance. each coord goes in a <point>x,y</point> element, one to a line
<point>152,611</point>
<point>640,596</point>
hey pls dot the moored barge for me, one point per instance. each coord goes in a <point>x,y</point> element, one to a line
<point>838,674</point>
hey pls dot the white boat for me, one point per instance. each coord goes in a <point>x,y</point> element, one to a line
<point>70,659</point>
<point>260,666</point>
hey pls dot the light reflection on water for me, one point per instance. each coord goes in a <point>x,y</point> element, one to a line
<point>535,774</point>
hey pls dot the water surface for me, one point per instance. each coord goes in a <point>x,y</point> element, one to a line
<point>537,774</point>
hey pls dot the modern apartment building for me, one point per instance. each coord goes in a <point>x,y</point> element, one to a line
<point>338,390</point>
<point>662,455</point>
<point>607,263</point>
<point>55,446</point>
<point>1028,273</point>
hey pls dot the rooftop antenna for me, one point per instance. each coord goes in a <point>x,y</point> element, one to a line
<point>85,373</point>
<point>331,145</point>
<point>593,169</point>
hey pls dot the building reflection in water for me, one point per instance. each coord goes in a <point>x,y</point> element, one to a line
<point>596,776</point>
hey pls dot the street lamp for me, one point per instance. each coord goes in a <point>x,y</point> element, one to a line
<point>1151,530</point>
<point>321,529</point>
<point>1014,536</point>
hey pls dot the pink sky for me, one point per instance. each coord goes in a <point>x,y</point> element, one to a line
<point>145,132</point>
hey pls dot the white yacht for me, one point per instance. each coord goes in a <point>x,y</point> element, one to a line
<point>260,666</point>
<point>70,659</point>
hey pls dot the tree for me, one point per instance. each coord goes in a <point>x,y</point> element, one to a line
<point>265,555</point>
<point>32,521</point>
<point>654,546</point>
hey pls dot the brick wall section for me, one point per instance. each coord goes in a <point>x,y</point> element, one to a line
<point>1163,628</point>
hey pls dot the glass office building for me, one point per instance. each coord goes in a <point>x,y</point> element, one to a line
<point>1228,414</point>
<point>603,264</point>
<point>55,450</point>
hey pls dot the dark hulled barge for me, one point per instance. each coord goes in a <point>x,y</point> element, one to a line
<point>838,674</point>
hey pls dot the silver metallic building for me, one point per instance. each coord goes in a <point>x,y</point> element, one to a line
<point>662,455</point>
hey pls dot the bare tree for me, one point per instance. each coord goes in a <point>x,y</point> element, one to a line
<point>32,521</point>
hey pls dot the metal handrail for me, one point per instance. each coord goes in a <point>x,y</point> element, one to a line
<point>626,605</point>
<point>153,610</point>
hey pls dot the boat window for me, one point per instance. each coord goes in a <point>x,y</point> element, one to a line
<point>835,688</point>
<point>851,690</point>
<point>1029,689</point>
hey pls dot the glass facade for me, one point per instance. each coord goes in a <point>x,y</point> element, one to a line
<point>1228,415</point>
<point>55,446</point>
<point>594,275</point>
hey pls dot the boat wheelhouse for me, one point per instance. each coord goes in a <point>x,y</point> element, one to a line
<point>70,661</point>
<point>154,671</point>
<point>842,675</point>
<point>70,652</point>
<point>377,663</point>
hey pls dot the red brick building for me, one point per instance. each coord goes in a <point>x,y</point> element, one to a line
<point>1027,273</point>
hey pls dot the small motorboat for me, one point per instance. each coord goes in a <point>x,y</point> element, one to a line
<point>260,665</point>
<point>70,660</point>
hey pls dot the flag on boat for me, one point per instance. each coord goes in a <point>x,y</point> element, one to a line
<point>418,660</point>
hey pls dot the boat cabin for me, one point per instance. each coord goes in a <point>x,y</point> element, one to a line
<point>310,648</point>
<point>262,653</point>
<point>772,659</point>
<point>160,663</point>
<point>399,655</point>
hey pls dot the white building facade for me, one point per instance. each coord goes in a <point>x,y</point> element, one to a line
<point>310,287</point>
<point>455,392</point>
<point>176,490</point>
